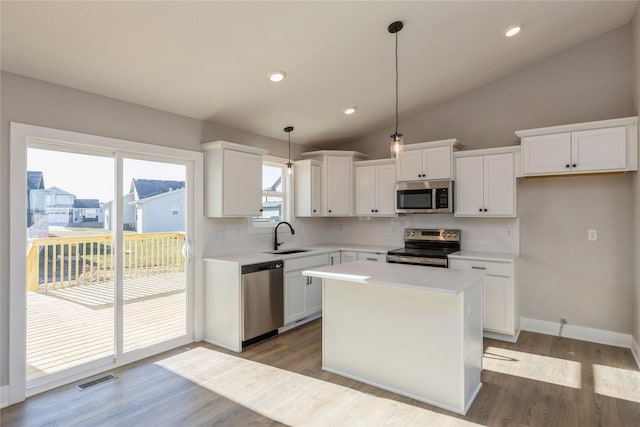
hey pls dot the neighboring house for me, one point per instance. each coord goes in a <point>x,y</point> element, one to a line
<point>59,206</point>
<point>35,199</point>
<point>151,206</point>
<point>87,210</point>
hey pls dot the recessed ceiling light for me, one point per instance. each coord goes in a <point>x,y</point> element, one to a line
<point>512,31</point>
<point>349,111</point>
<point>277,76</point>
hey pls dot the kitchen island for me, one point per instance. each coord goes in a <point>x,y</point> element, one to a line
<point>412,330</point>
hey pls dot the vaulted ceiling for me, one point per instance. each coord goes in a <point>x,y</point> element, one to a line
<point>210,60</point>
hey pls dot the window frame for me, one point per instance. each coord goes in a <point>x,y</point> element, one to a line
<point>279,162</point>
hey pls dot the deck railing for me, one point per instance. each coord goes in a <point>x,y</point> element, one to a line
<point>61,262</point>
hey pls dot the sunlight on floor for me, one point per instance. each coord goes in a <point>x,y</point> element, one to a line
<point>295,399</point>
<point>532,366</point>
<point>616,382</point>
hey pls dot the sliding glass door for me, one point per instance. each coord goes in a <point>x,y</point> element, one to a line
<point>107,272</point>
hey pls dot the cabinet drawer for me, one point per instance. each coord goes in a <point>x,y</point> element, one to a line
<point>492,268</point>
<point>372,256</point>
<point>306,262</point>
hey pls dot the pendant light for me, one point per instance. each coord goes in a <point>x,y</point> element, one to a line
<point>396,138</point>
<point>288,130</point>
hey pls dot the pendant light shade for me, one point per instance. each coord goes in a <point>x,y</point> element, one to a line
<point>288,130</point>
<point>396,139</point>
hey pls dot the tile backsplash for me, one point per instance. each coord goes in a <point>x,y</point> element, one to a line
<point>234,235</point>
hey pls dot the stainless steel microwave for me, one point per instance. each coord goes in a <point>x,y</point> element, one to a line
<point>424,197</point>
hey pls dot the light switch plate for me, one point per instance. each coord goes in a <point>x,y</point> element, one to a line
<point>592,235</point>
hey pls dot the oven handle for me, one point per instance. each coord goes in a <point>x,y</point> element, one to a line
<point>417,260</point>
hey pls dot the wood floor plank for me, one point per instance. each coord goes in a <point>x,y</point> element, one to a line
<point>280,381</point>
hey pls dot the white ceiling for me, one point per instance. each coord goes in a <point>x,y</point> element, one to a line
<point>209,60</point>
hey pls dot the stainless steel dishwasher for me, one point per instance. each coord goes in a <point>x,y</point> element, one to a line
<point>262,300</point>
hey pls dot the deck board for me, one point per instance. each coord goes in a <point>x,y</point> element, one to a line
<point>71,326</point>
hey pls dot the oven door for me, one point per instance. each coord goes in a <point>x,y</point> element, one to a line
<point>414,260</point>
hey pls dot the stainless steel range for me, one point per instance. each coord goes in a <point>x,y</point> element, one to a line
<point>426,247</point>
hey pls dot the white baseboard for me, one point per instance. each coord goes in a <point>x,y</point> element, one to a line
<point>635,350</point>
<point>583,333</point>
<point>4,396</point>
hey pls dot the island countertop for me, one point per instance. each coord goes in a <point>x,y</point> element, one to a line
<point>431,279</point>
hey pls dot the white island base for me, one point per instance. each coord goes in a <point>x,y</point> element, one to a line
<point>412,337</point>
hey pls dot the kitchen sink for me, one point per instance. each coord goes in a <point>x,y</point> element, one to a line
<point>288,252</point>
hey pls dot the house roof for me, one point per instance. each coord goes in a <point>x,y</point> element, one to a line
<point>58,190</point>
<point>35,180</point>
<point>145,188</point>
<point>86,203</point>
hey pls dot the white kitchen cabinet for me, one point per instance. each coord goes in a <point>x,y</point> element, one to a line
<point>334,258</point>
<point>371,256</point>
<point>500,300</point>
<point>348,256</point>
<point>336,181</point>
<point>307,182</point>
<point>375,182</point>
<point>302,294</point>
<point>233,179</point>
<point>426,160</point>
<point>485,183</point>
<point>604,146</point>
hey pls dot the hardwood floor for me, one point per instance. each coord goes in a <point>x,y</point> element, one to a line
<point>541,380</point>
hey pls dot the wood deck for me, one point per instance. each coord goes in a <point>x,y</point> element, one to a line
<point>72,326</point>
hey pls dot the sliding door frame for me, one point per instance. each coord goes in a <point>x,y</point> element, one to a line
<point>20,137</point>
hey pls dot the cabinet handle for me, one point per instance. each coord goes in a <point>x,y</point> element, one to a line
<point>329,210</point>
<point>567,166</point>
<point>260,210</point>
<point>574,165</point>
<point>373,210</point>
<point>372,259</point>
<point>479,268</point>
<point>314,211</point>
<point>480,210</point>
<point>485,209</point>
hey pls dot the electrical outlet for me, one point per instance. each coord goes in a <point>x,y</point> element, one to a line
<point>592,235</point>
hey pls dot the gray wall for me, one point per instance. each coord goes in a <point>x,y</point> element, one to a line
<point>563,275</point>
<point>636,180</point>
<point>36,102</point>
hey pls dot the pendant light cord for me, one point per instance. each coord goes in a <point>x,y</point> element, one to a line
<point>396,83</point>
<point>289,133</point>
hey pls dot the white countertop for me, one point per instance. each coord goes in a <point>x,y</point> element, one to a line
<point>259,257</point>
<point>486,256</point>
<point>431,279</point>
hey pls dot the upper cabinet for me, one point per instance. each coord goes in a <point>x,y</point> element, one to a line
<point>593,147</point>
<point>426,160</point>
<point>307,187</point>
<point>336,172</point>
<point>233,179</point>
<point>375,182</point>
<point>486,182</point>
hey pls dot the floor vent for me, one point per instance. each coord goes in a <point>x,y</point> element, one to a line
<point>97,381</point>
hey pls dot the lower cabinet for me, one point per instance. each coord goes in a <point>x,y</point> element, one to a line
<point>500,300</point>
<point>302,294</point>
<point>348,256</point>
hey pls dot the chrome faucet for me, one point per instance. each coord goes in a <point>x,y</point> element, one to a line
<point>275,234</point>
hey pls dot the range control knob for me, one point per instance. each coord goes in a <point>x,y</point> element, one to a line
<point>453,235</point>
<point>413,233</point>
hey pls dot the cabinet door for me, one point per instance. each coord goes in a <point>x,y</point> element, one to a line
<point>599,149</point>
<point>315,190</point>
<point>314,295</point>
<point>386,189</point>
<point>347,256</point>
<point>436,163</point>
<point>295,296</point>
<point>242,181</point>
<point>498,304</point>
<point>334,258</point>
<point>469,186</point>
<point>409,166</point>
<point>499,185</point>
<point>365,186</point>
<point>339,186</point>
<point>546,154</point>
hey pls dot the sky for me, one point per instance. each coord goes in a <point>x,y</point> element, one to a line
<point>92,177</point>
